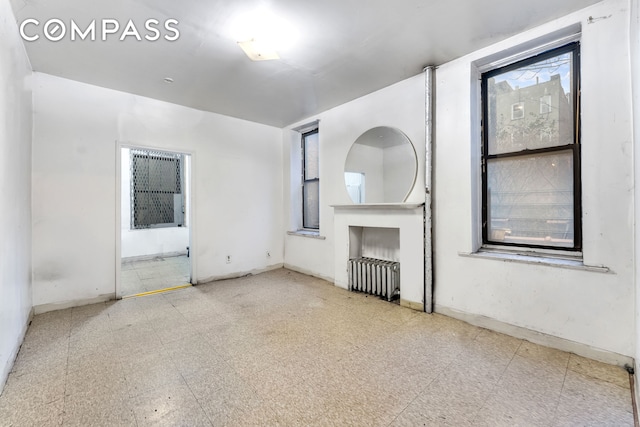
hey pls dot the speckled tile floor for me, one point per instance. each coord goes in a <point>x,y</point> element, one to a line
<point>282,348</point>
<point>153,274</point>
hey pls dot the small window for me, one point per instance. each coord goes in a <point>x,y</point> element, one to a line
<point>531,166</point>
<point>156,189</point>
<point>545,104</point>
<point>310,180</point>
<point>517,111</point>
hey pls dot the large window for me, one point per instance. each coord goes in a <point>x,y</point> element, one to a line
<point>156,189</point>
<point>310,180</point>
<point>531,152</point>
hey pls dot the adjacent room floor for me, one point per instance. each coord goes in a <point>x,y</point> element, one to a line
<point>153,274</point>
<point>282,348</point>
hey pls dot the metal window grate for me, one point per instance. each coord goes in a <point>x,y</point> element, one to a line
<point>531,171</point>
<point>156,189</point>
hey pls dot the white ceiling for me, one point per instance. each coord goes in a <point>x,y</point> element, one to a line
<point>345,49</point>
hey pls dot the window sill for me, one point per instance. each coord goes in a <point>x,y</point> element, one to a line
<point>306,233</point>
<point>572,263</point>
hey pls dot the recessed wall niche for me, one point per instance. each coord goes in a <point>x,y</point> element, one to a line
<point>374,242</point>
<point>374,266</point>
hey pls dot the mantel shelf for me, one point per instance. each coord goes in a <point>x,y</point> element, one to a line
<point>389,206</point>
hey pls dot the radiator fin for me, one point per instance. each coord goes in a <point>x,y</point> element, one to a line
<point>375,277</point>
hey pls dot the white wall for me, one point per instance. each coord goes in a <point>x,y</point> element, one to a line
<point>376,242</point>
<point>236,187</point>
<point>592,308</point>
<point>634,33</point>
<point>15,188</point>
<point>400,106</point>
<point>150,241</point>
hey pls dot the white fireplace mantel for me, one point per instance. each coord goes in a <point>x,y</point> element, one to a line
<point>382,206</point>
<point>408,219</point>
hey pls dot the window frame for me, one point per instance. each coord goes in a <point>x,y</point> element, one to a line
<point>304,181</point>
<point>574,48</point>
<point>520,110</point>
<point>547,105</point>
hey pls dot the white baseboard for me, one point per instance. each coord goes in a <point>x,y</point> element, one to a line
<point>308,273</point>
<point>538,337</point>
<point>44,308</point>
<point>418,306</point>
<point>237,274</point>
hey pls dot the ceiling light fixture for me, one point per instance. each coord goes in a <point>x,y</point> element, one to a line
<point>168,80</point>
<point>261,34</point>
<point>258,51</point>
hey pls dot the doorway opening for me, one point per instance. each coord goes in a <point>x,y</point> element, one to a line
<point>155,221</point>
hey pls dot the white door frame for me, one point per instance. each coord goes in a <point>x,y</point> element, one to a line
<point>191,209</point>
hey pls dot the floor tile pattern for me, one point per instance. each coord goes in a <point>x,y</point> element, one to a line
<point>282,348</point>
<point>153,274</point>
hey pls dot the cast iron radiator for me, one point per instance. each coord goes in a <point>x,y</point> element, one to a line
<point>375,277</point>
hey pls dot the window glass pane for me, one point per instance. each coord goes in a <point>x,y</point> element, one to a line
<point>545,104</point>
<point>530,200</point>
<point>517,119</point>
<point>517,111</point>
<point>311,208</point>
<point>311,156</point>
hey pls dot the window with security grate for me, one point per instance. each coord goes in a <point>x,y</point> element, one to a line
<point>156,189</point>
<point>531,190</point>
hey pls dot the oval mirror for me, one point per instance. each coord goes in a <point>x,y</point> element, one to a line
<point>381,167</point>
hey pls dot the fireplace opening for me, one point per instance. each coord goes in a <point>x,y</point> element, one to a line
<point>374,261</point>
